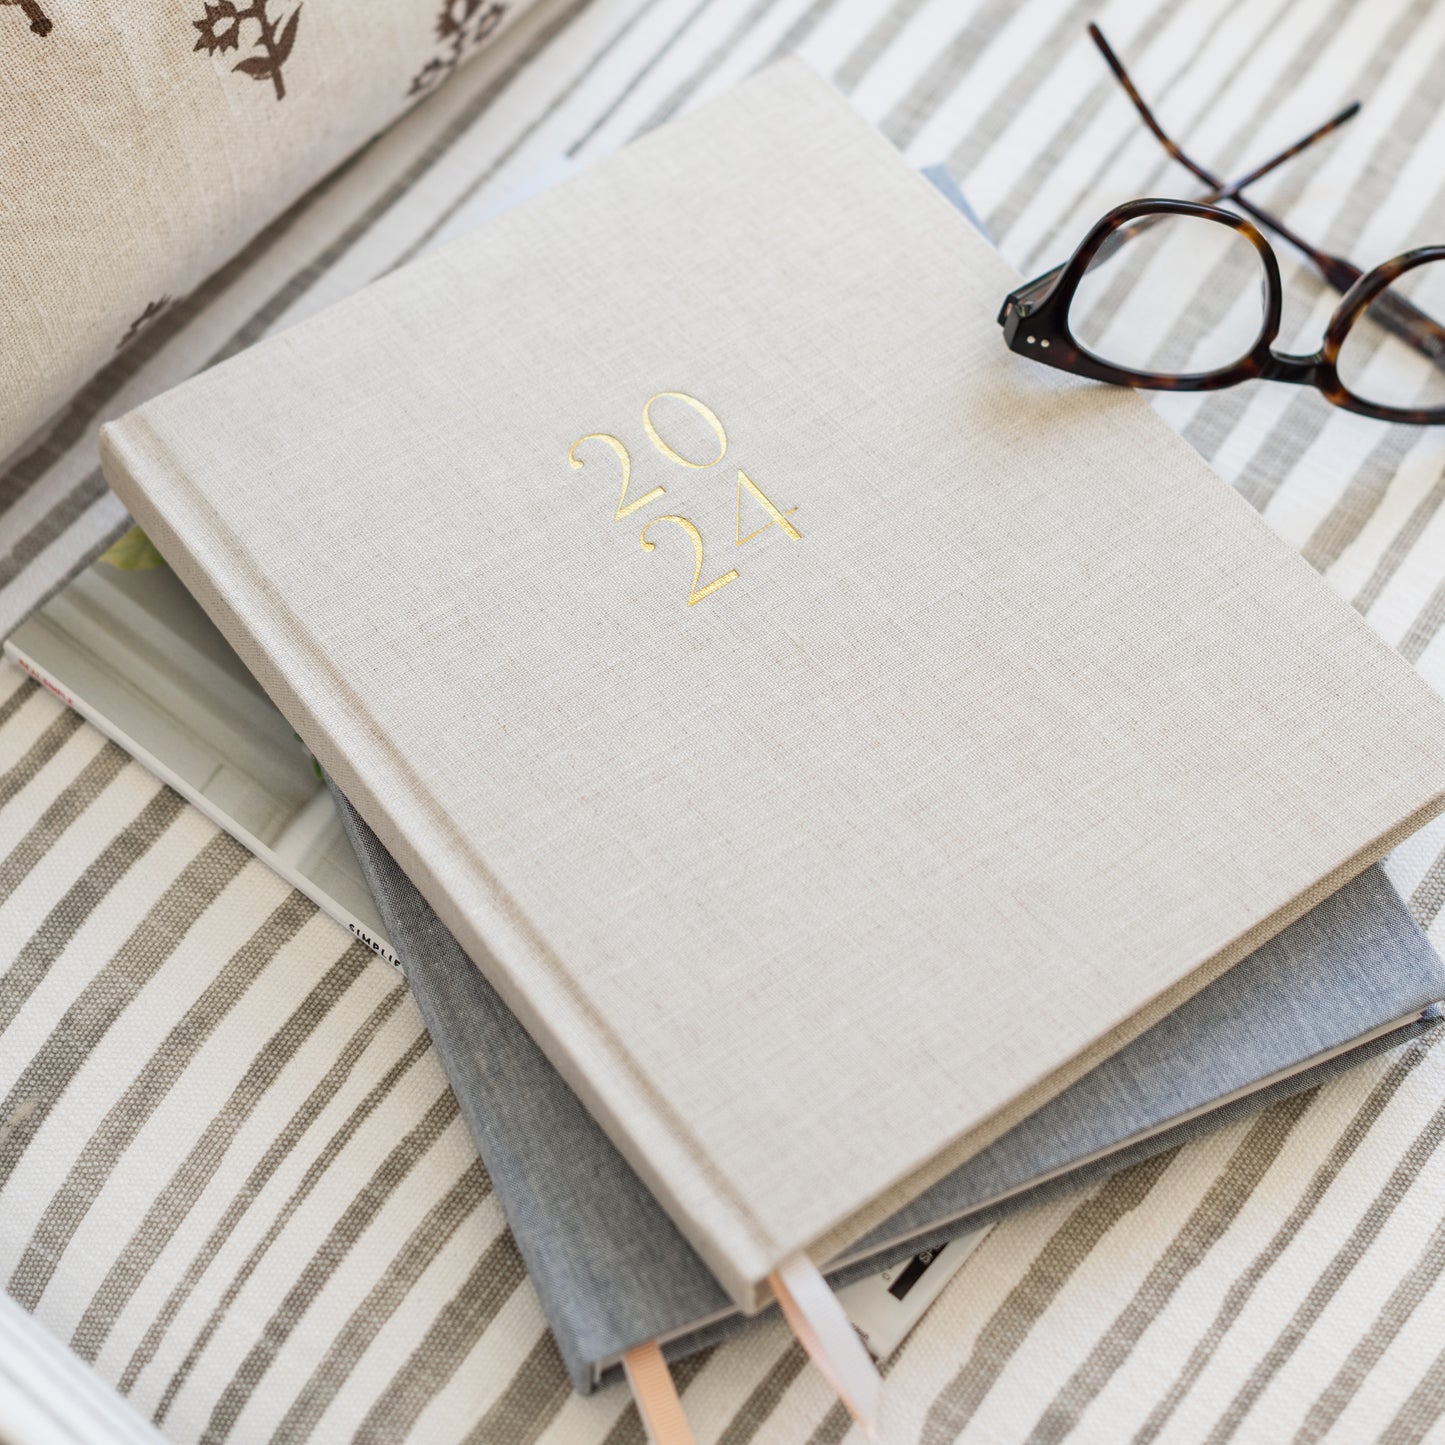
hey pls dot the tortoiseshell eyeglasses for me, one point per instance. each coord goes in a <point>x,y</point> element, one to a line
<point>1177,295</point>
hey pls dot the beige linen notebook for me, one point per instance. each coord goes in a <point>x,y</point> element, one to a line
<point>730,638</point>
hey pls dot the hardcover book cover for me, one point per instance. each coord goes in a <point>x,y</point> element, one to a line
<point>784,646</point>
<point>1352,977</point>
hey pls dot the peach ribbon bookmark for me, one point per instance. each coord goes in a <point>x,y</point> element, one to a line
<point>657,1400</point>
<point>825,1332</point>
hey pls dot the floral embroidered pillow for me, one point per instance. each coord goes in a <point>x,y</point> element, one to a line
<point>143,146</point>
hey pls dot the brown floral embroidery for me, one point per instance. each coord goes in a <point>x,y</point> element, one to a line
<point>221,30</point>
<point>462,26</point>
<point>153,309</point>
<point>40,22</point>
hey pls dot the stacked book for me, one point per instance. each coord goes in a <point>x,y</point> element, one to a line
<point>828,783</point>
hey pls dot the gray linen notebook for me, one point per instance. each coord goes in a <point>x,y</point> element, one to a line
<point>1352,977</point>
<point>898,669</point>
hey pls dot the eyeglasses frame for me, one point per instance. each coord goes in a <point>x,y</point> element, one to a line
<point>1035,320</point>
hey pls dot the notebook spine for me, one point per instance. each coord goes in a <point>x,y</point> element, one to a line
<point>142,471</point>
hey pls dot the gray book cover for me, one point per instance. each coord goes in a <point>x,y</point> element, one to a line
<point>1354,976</point>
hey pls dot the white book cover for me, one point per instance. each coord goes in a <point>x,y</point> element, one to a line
<point>129,649</point>
<point>748,639</point>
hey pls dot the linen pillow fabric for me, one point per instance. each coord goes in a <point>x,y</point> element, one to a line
<point>141,146</point>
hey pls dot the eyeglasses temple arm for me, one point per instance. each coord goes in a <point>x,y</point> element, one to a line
<point>1232,190</point>
<point>1393,312</point>
<point>1341,274</point>
<point>1404,319</point>
<point>1112,243</point>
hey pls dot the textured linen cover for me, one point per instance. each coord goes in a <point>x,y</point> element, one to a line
<point>613,1271</point>
<point>1280,1277</point>
<point>702,850</point>
<point>141,146</point>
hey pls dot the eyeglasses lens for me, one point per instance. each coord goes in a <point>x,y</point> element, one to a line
<point>1171,294</point>
<point>1379,364</point>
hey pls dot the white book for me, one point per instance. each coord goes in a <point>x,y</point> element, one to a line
<point>128,648</point>
<point>728,636</point>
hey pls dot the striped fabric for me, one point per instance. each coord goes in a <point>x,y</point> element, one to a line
<point>231,1174</point>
